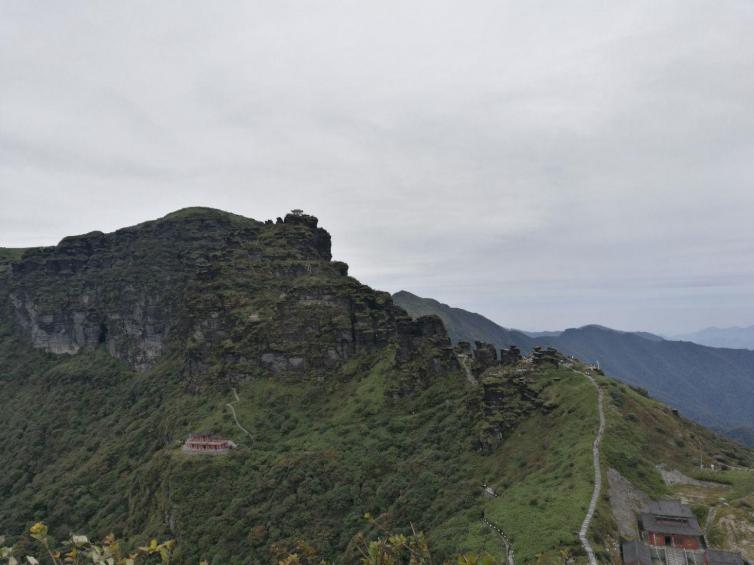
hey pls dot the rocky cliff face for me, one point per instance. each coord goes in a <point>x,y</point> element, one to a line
<point>228,295</point>
<point>506,397</point>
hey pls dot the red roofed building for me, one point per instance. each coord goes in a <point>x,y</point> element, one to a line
<point>208,443</point>
<point>670,535</point>
<point>672,524</point>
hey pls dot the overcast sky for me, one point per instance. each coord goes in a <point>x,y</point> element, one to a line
<point>547,164</point>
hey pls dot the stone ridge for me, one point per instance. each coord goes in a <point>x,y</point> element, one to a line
<point>228,296</point>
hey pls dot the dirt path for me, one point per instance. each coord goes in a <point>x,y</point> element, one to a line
<point>597,475</point>
<point>507,546</point>
<point>465,362</point>
<point>709,521</point>
<point>235,416</point>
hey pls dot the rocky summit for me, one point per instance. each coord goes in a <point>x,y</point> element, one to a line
<point>231,296</point>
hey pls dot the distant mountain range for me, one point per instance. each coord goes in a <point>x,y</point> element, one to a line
<point>735,338</point>
<point>714,386</point>
<point>463,325</point>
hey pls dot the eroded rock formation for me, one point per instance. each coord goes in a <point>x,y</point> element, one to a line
<point>232,296</point>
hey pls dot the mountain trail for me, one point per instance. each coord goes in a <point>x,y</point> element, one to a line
<point>597,474</point>
<point>235,416</point>
<point>507,546</point>
<point>711,513</point>
<point>465,362</point>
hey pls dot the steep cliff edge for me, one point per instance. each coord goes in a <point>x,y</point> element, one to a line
<point>231,296</point>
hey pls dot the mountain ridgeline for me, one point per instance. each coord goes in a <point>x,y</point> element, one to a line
<point>115,347</point>
<point>713,386</point>
<point>732,338</point>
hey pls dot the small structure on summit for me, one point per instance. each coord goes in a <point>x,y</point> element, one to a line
<point>297,212</point>
<point>207,443</point>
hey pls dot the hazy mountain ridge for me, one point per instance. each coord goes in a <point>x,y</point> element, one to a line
<point>711,385</point>
<point>732,338</point>
<point>461,324</point>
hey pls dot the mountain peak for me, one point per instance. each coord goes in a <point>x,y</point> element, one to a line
<point>202,213</point>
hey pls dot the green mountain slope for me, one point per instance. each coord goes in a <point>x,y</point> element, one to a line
<point>712,386</point>
<point>114,347</point>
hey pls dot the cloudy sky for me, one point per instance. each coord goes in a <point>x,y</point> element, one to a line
<point>548,164</point>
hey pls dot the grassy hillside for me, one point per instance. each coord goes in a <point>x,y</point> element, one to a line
<point>713,386</point>
<point>100,451</point>
<point>734,338</point>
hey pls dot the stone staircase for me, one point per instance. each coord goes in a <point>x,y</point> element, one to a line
<point>675,556</point>
<point>591,557</point>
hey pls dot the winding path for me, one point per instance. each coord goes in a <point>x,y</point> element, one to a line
<point>235,417</point>
<point>597,474</point>
<point>465,362</point>
<point>709,521</point>
<point>506,542</point>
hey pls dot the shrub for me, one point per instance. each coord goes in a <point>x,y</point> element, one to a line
<point>78,550</point>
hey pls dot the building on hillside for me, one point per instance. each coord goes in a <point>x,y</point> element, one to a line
<point>670,534</point>
<point>207,443</point>
<point>672,524</point>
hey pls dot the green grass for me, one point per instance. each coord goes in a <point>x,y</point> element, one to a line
<point>100,451</point>
<point>545,474</point>
<point>102,447</point>
<point>644,433</point>
<point>9,255</point>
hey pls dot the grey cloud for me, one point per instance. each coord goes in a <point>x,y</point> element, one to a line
<point>547,164</point>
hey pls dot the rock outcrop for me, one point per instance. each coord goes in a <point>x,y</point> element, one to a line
<point>485,356</point>
<point>506,398</point>
<point>547,356</point>
<point>510,356</point>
